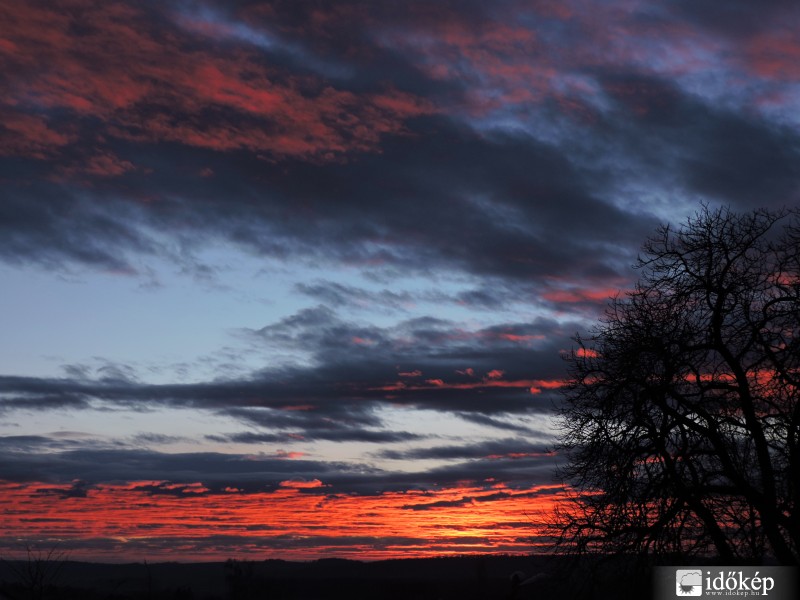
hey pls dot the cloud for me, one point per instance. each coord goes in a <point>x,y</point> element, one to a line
<point>336,295</point>
<point>707,147</point>
<point>153,114</point>
<point>354,214</point>
<point>320,162</point>
<point>114,73</point>
<point>503,369</point>
<point>448,191</point>
<point>51,226</point>
<point>215,471</point>
<point>510,448</point>
<point>310,432</point>
<point>467,501</point>
<point>191,474</point>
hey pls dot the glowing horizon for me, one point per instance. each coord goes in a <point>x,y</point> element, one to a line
<point>153,520</point>
<point>264,256</point>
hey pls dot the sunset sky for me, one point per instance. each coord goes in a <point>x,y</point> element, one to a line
<point>295,279</point>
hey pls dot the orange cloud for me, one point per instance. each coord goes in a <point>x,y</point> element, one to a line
<point>289,455</point>
<point>300,484</point>
<point>538,384</point>
<point>517,455</point>
<point>511,337</point>
<point>121,521</point>
<point>572,296</point>
<point>586,353</point>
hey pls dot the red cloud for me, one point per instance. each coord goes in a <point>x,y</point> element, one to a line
<point>146,79</point>
<point>775,54</point>
<point>340,524</point>
<point>104,164</point>
<point>300,484</point>
<point>28,135</point>
<point>496,56</point>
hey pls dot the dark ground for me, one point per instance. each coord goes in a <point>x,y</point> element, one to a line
<point>468,578</point>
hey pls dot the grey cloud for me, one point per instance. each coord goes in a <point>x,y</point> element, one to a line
<point>438,197</point>
<point>491,449</point>
<point>482,419</point>
<point>470,500</point>
<point>355,369</point>
<point>716,153</point>
<point>738,19</point>
<point>157,438</point>
<point>87,463</point>
<point>216,470</point>
<point>54,227</point>
<point>336,295</point>
<point>357,212</point>
<point>309,434</point>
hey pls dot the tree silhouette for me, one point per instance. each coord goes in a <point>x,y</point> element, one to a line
<point>37,572</point>
<point>681,423</point>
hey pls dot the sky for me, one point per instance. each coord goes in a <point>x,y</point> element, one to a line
<point>296,279</point>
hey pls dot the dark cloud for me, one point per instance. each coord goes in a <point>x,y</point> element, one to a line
<point>211,161</point>
<point>490,294</point>
<point>504,160</point>
<point>729,156</point>
<point>492,449</point>
<point>333,294</point>
<point>215,470</point>
<point>738,18</point>
<point>315,433</point>
<point>423,362</point>
<point>482,419</point>
<point>78,489</point>
<point>157,438</point>
<point>59,225</point>
<point>470,500</point>
<point>356,213</point>
<point>495,204</point>
<point>192,474</point>
<point>32,398</point>
<point>56,442</point>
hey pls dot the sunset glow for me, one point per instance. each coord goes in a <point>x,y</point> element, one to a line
<point>296,279</point>
<point>154,520</point>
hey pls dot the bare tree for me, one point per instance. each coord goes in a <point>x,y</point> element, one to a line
<point>682,423</point>
<point>38,571</point>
